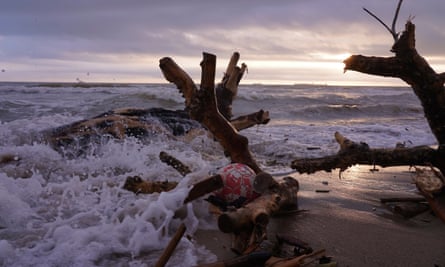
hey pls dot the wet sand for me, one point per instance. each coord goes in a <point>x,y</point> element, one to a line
<point>351,224</point>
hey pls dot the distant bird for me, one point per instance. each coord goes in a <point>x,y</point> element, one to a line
<point>3,70</point>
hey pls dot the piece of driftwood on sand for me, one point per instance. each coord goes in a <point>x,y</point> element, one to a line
<point>256,259</point>
<point>137,185</point>
<point>428,86</point>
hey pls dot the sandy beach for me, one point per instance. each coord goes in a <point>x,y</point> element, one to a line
<point>351,223</point>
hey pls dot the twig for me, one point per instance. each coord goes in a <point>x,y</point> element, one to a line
<point>402,199</point>
<point>396,14</point>
<point>175,163</point>
<point>171,246</point>
<point>392,30</point>
<point>204,187</point>
<point>297,261</point>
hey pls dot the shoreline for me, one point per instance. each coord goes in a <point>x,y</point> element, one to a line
<point>351,223</point>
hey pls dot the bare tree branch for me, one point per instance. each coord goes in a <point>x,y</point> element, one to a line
<point>392,30</point>
<point>394,21</point>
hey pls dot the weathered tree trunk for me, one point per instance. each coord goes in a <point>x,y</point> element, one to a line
<point>428,86</point>
<point>412,68</point>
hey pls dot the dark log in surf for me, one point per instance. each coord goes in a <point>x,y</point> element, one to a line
<point>80,137</point>
<point>83,137</point>
<point>137,185</point>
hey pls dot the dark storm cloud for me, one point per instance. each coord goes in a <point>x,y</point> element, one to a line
<point>141,26</point>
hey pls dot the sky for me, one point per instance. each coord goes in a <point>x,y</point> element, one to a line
<point>282,42</point>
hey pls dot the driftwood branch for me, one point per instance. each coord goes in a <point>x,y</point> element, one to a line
<point>394,21</point>
<point>249,223</point>
<point>258,212</point>
<point>166,254</point>
<point>352,153</point>
<point>431,184</point>
<point>137,185</point>
<point>175,163</point>
<point>174,74</point>
<point>199,189</point>
<point>247,121</point>
<point>227,89</point>
<point>204,187</point>
<point>202,107</point>
<point>392,30</point>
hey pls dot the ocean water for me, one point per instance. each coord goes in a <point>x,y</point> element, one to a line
<point>56,211</point>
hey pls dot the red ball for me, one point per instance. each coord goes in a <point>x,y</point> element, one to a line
<point>238,182</point>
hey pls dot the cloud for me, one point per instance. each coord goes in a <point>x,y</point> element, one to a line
<point>109,31</point>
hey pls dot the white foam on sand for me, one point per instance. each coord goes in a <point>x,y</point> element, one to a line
<point>75,212</point>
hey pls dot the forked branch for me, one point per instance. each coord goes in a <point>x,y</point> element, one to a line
<point>392,30</point>
<point>202,107</point>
